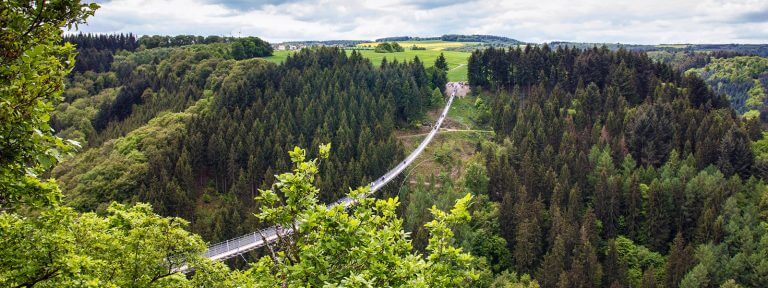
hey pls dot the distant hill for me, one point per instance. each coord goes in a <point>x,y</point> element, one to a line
<point>611,46</point>
<point>489,39</point>
<point>340,43</point>
<point>743,79</point>
<point>746,49</point>
<point>749,49</point>
<point>406,38</point>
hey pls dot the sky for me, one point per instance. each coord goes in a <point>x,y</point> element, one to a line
<point>536,21</point>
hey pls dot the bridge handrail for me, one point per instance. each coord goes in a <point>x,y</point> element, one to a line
<point>236,246</point>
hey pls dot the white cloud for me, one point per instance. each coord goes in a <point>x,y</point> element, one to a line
<point>649,21</point>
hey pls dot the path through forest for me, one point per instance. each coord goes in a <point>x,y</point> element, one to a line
<point>446,130</point>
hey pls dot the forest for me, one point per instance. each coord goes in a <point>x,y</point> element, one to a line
<point>490,39</point>
<point>704,49</point>
<point>229,125</point>
<point>48,243</point>
<point>743,79</point>
<point>122,158</point>
<point>613,170</point>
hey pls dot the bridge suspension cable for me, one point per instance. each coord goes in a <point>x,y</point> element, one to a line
<point>240,245</point>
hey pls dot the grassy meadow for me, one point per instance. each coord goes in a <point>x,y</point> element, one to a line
<point>278,56</point>
<point>457,61</point>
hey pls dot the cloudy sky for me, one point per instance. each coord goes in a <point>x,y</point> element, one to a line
<point>626,21</point>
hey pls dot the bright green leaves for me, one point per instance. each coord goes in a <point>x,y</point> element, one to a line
<point>512,280</point>
<point>297,155</point>
<point>32,69</point>
<point>363,247</point>
<point>638,259</point>
<point>457,215</point>
<point>739,78</point>
<point>131,247</point>
<point>325,150</point>
<point>450,266</point>
<point>297,188</point>
<point>756,96</point>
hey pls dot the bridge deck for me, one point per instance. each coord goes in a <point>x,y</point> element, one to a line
<point>236,246</point>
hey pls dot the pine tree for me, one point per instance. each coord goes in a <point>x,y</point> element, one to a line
<point>615,269</point>
<point>528,233</point>
<point>624,80</point>
<point>736,156</point>
<point>586,270</point>
<point>649,136</point>
<point>507,219</point>
<point>680,261</point>
<point>441,64</point>
<point>553,264</point>
<point>649,278</point>
<point>658,222</point>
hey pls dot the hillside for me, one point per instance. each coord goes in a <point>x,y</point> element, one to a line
<point>489,39</point>
<point>746,49</point>
<point>743,79</point>
<point>215,161</point>
<point>608,161</point>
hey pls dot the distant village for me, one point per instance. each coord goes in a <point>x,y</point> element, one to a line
<point>283,47</point>
<point>288,46</point>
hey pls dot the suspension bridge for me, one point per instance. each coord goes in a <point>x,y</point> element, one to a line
<point>254,240</point>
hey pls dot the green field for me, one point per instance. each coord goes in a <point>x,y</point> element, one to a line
<point>457,61</point>
<point>430,45</point>
<point>428,57</point>
<point>278,56</point>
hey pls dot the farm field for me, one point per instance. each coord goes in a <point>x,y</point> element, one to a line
<point>278,56</point>
<point>676,46</point>
<point>430,45</point>
<point>457,61</point>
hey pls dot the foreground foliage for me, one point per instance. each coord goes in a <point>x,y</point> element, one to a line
<point>130,247</point>
<point>364,247</point>
<point>32,69</point>
<point>331,247</point>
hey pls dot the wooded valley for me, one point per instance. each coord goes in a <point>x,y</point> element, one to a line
<point>122,157</point>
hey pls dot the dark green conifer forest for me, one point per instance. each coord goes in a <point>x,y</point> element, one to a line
<point>613,170</point>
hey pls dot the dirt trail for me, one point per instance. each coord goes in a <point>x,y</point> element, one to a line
<point>457,67</point>
<point>443,130</point>
<point>425,183</point>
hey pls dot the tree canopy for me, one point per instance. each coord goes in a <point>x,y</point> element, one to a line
<point>611,170</point>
